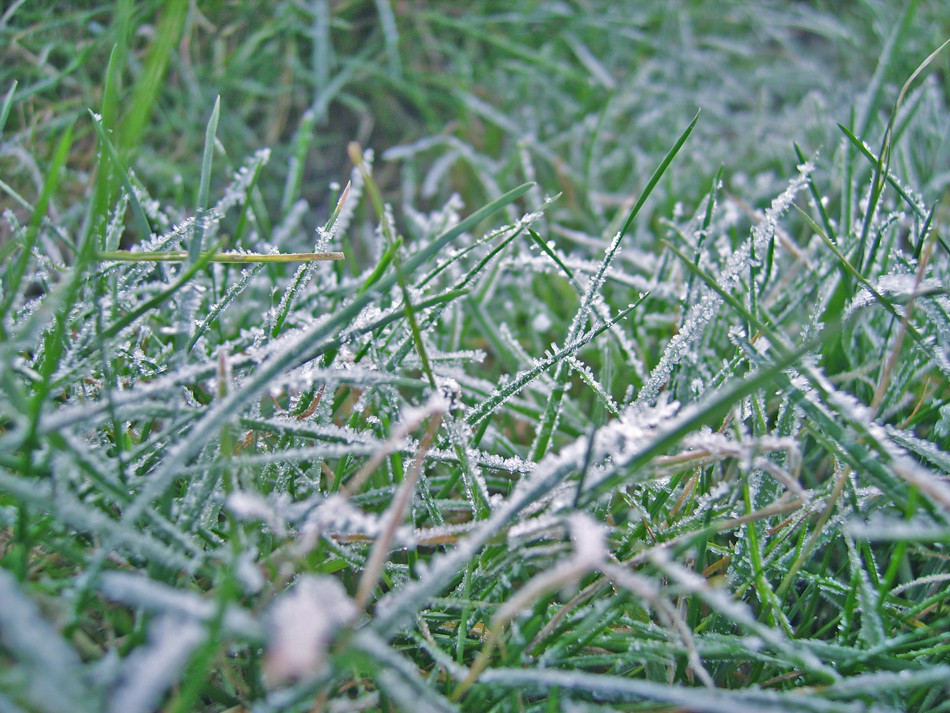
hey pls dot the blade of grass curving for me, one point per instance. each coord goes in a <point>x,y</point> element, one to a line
<point>385,261</point>
<point>882,166</point>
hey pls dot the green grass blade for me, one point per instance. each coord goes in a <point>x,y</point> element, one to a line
<point>167,34</point>
<point>5,106</point>
<point>295,168</point>
<point>204,184</point>
<point>13,275</point>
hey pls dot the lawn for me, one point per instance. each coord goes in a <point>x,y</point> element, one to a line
<point>395,355</point>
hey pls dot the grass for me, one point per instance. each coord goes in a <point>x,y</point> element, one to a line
<point>610,406</point>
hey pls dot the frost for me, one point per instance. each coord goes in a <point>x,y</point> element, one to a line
<point>248,506</point>
<point>155,597</point>
<point>338,517</point>
<point>248,573</point>
<point>29,638</point>
<point>899,288</point>
<point>533,527</point>
<point>588,537</point>
<point>883,528</point>
<point>698,317</point>
<point>152,669</point>
<point>302,624</point>
<point>236,192</point>
<point>437,222</point>
<point>541,322</point>
<point>438,535</point>
<point>753,643</point>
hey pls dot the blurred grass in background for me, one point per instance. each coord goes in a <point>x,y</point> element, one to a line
<point>591,91</point>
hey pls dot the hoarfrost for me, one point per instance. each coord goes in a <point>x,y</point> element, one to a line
<point>433,224</point>
<point>882,528</point>
<point>589,538</point>
<point>249,506</point>
<point>899,287</point>
<point>248,573</point>
<point>337,516</point>
<point>541,322</point>
<point>236,192</point>
<point>302,625</point>
<point>151,670</point>
<point>154,597</point>
<point>30,638</point>
<point>681,346</point>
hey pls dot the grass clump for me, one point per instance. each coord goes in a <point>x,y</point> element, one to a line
<point>610,405</point>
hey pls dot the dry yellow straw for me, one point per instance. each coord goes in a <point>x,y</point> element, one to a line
<point>182,255</point>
